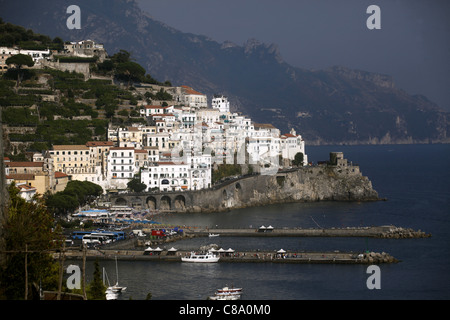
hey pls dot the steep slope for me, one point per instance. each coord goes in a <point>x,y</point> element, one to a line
<point>337,105</point>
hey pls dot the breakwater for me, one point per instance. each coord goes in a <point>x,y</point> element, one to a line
<point>372,232</point>
<point>132,252</point>
<point>334,257</point>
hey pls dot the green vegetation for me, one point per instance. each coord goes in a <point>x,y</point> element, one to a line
<point>225,170</point>
<point>28,236</point>
<point>20,60</point>
<point>48,100</point>
<point>12,35</point>
<point>136,185</point>
<point>298,159</point>
<point>96,289</point>
<point>76,193</point>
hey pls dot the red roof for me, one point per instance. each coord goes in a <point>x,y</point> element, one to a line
<point>289,135</point>
<point>189,90</point>
<point>99,143</point>
<point>60,175</point>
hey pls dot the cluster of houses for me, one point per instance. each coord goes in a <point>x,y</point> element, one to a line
<point>82,49</point>
<point>176,149</point>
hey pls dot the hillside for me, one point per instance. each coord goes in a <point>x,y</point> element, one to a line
<point>332,106</point>
<point>51,106</point>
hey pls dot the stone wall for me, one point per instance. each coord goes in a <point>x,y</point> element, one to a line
<point>78,67</point>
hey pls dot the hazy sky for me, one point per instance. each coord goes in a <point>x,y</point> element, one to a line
<point>412,44</point>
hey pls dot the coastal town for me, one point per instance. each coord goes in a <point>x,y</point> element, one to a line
<point>176,148</point>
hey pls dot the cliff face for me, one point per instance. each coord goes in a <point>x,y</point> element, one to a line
<point>322,183</point>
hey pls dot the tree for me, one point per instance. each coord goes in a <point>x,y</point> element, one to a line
<point>136,185</point>
<point>28,235</point>
<point>96,288</point>
<point>298,159</point>
<point>75,194</point>
<point>130,71</point>
<point>20,60</point>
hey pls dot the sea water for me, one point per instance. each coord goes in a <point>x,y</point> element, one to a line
<point>415,180</point>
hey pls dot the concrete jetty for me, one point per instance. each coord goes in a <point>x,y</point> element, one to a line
<point>334,257</point>
<point>372,232</point>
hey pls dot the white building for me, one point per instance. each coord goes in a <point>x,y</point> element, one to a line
<point>166,176</point>
<point>36,55</point>
<point>5,53</point>
<point>147,111</point>
<point>191,173</point>
<point>220,102</point>
<point>193,98</point>
<point>291,144</point>
<point>121,167</point>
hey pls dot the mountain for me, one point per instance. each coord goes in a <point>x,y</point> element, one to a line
<point>331,106</point>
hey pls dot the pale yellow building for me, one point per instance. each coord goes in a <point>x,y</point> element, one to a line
<point>71,159</point>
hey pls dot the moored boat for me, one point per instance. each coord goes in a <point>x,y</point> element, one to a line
<point>227,293</point>
<point>201,258</point>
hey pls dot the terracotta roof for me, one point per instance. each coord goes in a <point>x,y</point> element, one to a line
<point>60,175</point>
<point>189,90</point>
<point>99,143</point>
<point>21,176</point>
<point>24,164</point>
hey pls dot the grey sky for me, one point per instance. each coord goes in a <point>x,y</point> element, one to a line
<point>412,45</point>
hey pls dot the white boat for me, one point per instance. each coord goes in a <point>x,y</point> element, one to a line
<point>227,293</point>
<point>229,297</point>
<point>230,290</point>
<point>212,235</point>
<point>112,292</point>
<point>201,258</point>
<point>116,288</point>
<point>110,295</point>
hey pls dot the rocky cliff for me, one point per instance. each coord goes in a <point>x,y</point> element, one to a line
<point>319,183</point>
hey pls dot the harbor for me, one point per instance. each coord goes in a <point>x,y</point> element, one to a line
<point>145,244</point>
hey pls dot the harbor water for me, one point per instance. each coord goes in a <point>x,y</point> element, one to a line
<point>415,179</point>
